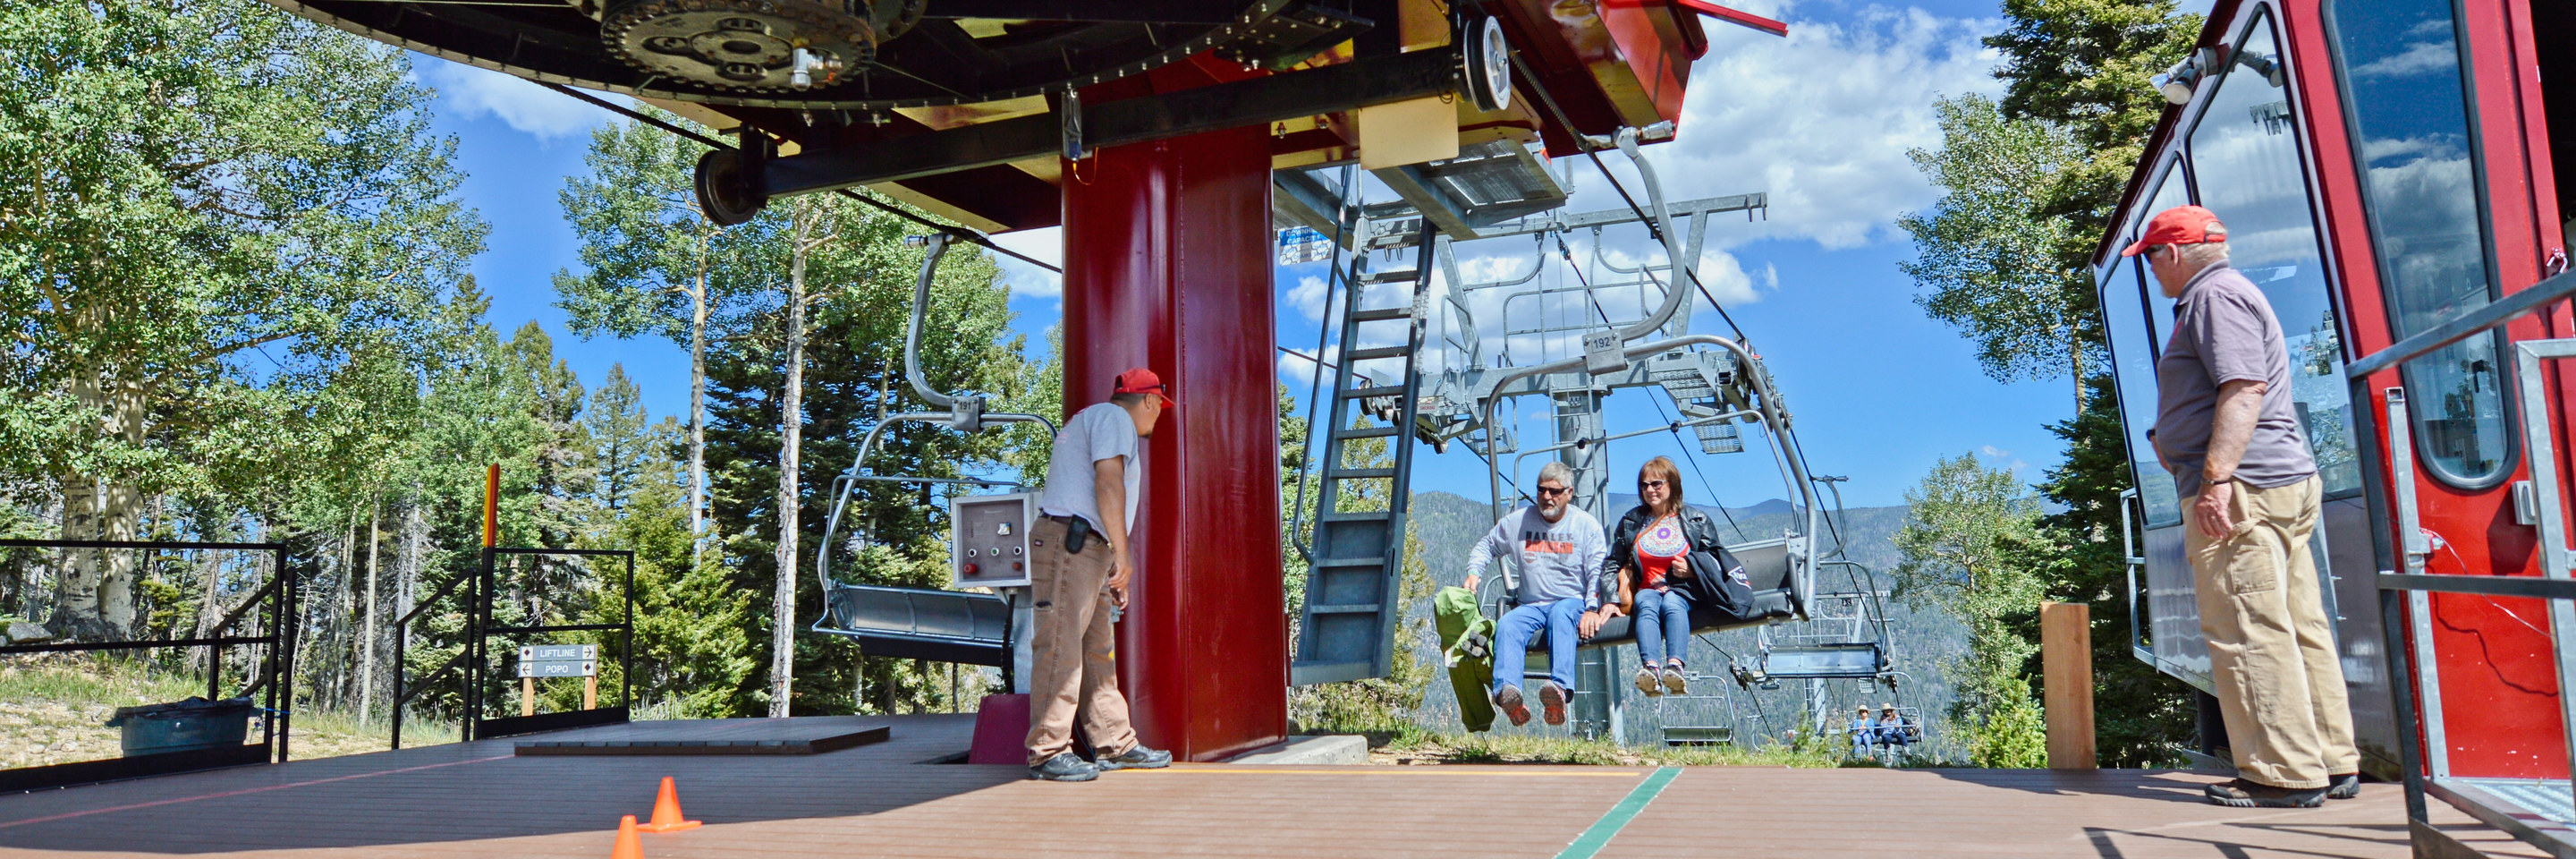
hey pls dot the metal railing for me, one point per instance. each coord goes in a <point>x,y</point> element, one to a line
<point>2404,591</point>
<point>473,661</point>
<point>275,663</point>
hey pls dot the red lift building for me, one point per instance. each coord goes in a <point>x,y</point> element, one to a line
<point>1148,130</point>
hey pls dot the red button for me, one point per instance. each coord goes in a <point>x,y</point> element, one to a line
<point>970,568</point>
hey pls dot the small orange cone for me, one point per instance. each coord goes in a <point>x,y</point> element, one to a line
<point>666,813</point>
<point>629,844</point>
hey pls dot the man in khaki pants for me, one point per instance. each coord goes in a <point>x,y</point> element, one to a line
<point>1079,568</point>
<point>2227,429</point>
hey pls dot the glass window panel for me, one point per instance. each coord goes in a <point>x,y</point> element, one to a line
<point>2400,59</point>
<point>2245,152</point>
<point>2133,363</point>
<point>2171,191</point>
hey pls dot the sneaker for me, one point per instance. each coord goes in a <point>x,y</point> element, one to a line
<point>1136,757</point>
<point>2239,793</point>
<point>1674,682</point>
<point>1508,700</point>
<point>2345,786</point>
<point>1646,682</point>
<point>1552,697</point>
<point>1065,766</point>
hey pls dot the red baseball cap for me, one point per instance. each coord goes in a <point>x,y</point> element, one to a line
<point>2180,225</point>
<point>1143,381</point>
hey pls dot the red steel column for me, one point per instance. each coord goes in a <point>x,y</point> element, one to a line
<point>1167,266</point>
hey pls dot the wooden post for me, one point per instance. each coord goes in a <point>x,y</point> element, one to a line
<point>528,697</point>
<point>590,692</point>
<point>2066,657</point>
<point>492,506</point>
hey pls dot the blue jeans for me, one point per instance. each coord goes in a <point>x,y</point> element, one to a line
<point>1554,621</point>
<point>1663,626</point>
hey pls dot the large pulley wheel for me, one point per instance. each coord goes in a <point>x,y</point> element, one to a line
<point>743,45</point>
<point>1487,56</point>
<point>725,193</point>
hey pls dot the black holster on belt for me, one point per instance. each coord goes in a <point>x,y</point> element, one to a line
<point>1077,530</point>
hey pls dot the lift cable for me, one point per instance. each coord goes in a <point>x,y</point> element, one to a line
<point>970,236</point>
<point>1670,425</point>
<point>1652,228</point>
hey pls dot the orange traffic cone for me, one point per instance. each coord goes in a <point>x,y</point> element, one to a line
<point>629,844</point>
<point>666,812</point>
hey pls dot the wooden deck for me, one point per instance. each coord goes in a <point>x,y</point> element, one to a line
<point>882,799</point>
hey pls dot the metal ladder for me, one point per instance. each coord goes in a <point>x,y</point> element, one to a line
<point>1347,629</point>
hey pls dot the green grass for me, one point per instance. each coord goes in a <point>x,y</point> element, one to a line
<point>1416,746</point>
<point>54,709</point>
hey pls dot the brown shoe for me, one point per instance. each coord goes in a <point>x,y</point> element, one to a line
<point>1508,700</point>
<point>2239,793</point>
<point>1552,697</point>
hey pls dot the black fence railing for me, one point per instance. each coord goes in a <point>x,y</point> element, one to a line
<point>543,606</point>
<point>269,607</point>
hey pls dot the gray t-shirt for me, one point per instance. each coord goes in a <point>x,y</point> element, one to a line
<point>2224,331</point>
<point>1094,434</point>
<point>1558,560</point>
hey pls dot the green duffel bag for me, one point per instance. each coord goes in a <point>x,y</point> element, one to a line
<point>1467,648</point>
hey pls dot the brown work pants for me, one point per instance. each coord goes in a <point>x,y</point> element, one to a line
<point>1073,652</point>
<point>2271,651</point>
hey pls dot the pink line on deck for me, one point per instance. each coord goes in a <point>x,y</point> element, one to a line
<point>248,790</point>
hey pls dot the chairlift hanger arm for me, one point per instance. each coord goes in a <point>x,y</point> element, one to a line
<point>1658,428</point>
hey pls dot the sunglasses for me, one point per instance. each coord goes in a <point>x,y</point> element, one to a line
<point>1546,492</point>
<point>1650,484</point>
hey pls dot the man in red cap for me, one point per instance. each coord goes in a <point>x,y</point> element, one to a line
<point>1079,568</point>
<point>2226,428</point>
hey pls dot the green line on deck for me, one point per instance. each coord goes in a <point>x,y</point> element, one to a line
<point>1599,835</point>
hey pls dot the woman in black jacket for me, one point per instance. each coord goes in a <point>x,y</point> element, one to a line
<point>1651,549</point>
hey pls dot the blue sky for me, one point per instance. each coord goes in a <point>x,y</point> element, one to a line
<point>1820,121</point>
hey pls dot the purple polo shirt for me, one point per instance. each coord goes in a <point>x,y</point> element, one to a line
<point>2224,331</point>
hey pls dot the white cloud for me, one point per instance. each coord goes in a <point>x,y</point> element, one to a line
<point>1993,451</point>
<point>474,93</point>
<point>1820,121</point>
<point>1308,297</point>
<point>2417,59</point>
<point>1025,280</point>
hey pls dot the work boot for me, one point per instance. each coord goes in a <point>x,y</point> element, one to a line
<point>1508,700</point>
<point>1552,697</point>
<point>2345,786</point>
<point>2239,793</point>
<point>1646,682</point>
<point>1065,766</point>
<point>1136,757</point>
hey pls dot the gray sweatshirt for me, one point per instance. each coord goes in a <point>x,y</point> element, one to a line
<point>1558,560</point>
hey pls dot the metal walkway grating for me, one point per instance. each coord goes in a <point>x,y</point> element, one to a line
<point>2550,798</point>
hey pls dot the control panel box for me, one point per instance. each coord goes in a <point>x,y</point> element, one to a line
<point>988,539</point>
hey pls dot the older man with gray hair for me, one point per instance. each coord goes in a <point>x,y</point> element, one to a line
<point>2228,430</point>
<point>1561,551</point>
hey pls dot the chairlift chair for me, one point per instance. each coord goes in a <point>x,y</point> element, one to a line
<point>938,624</point>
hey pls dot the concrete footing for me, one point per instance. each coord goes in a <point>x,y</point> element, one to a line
<point>1330,749</point>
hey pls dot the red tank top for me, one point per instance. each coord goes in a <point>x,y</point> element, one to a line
<point>1657,545</point>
